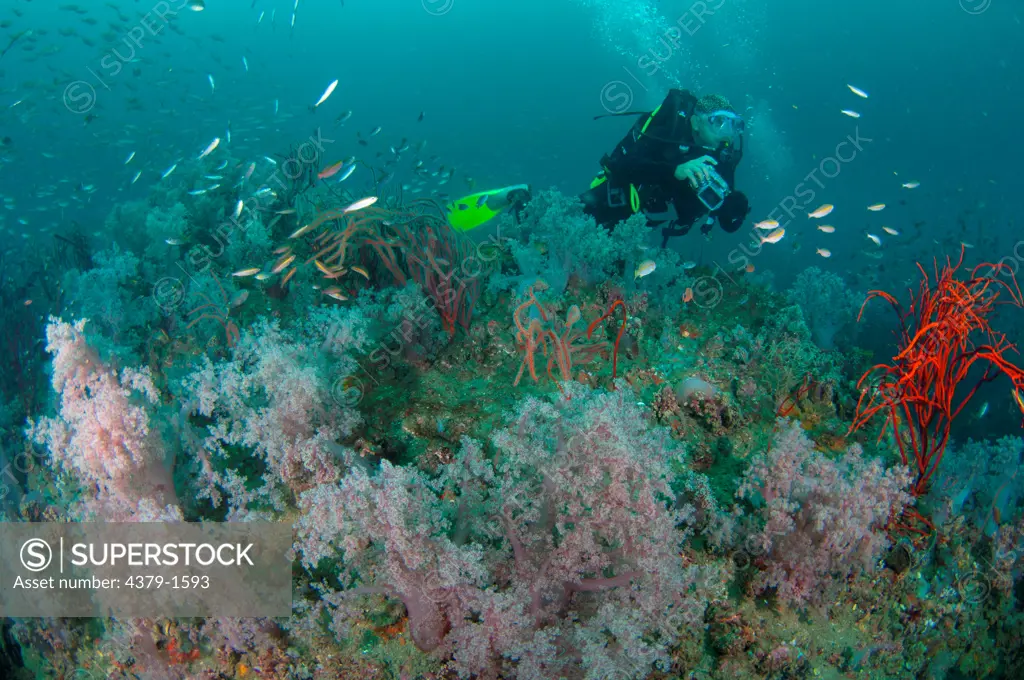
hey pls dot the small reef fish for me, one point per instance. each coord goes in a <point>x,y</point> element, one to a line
<point>851,114</point>
<point>130,157</point>
<point>688,265</point>
<point>347,172</point>
<point>824,252</point>
<point>876,207</point>
<point>767,225</point>
<point>238,209</point>
<point>335,293</point>
<point>890,231</point>
<point>774,237</point>
<point>327,93</point>
<point>209,149</point>
<point>857,91</point>
<point>331,170</point>
<point>821,211</point>
<point>213,86</point>
<point>911,185</point>
<point>643,269</point>
<point>827,228</point>
<point>168,171</point>
<point>245,63</point>
<point>246,272</point>
<point>137,176</point>
<point>877,241</point>
<point>280,266</point>
<point>361,203</point>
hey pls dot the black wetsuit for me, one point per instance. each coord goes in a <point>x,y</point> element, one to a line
<point>648,162</point>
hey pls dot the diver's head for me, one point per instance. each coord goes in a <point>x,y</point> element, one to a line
<point>715,123</point>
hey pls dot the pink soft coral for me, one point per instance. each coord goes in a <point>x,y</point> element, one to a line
<point>562,554</point>
<point>824,519</point>
<point>102,434</point>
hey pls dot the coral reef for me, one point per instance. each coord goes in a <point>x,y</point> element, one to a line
<point>581,568</point>
<point>821,520</point>
<point>679,490</point>
<point>826,302</point>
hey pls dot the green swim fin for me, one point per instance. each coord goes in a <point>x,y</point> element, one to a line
<point>475,210</point>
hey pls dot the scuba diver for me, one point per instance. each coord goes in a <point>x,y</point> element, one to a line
<point>677,165</point>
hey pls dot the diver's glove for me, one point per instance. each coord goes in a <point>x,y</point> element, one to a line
<point>734,210</point>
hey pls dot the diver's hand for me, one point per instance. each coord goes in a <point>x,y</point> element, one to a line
<point>696,170</point>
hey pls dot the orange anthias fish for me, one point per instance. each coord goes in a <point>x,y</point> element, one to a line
<point>331,170</point>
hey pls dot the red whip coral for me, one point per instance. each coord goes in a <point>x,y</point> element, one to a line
<point>916,390</point>
<point>558,340</point>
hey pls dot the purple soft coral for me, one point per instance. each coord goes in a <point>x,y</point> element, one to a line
<point>579,497</point>
<point>823,519</point>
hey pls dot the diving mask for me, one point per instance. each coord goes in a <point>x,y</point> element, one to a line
<point>726,122</point>
<point>728,128</point>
